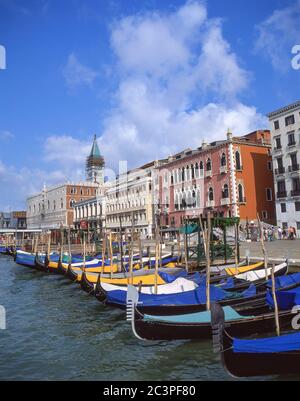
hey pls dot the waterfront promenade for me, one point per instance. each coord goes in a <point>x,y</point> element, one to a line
<point>275,249</point>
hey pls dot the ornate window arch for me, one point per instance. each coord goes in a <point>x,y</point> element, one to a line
<point>223,160</point>
<point>225,193</point>
<point>238,160</point>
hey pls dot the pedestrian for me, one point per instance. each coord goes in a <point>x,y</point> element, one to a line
<point>279,231</point>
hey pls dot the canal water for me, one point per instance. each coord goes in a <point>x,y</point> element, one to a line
<point>55,331</point>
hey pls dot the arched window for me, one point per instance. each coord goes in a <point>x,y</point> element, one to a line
<point>182,174</point>
<point>194,198</point>
<point>238,160</point>
<point>183,203</point>
<point>188,175</point>
<point>197,170</point>
<point>223,160</point>
<point>201,169</point>
<point>189,199</point>
<point>241,193</point>
<point>225,194</point>
<point>193,171</point>
<point>211,194</point>
<point>72,202</point>
<point>208,165</point>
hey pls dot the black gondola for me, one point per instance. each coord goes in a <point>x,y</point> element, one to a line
<point>71,274</point>
<point>262,358</point>
<point>182,327</point>
<point>86,285</point>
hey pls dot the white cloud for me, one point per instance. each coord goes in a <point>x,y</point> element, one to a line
<point>278,34</point>
<point>179,82</point>
<point>66,150</point>
<point>6,135</point>
<point>19,183</point>
<point>77,74</point>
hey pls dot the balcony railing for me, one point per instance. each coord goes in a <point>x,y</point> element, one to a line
<point>210,204</point>
<point>208,173</point>
<point>278,147</point>
<point>239,168</point>
<point>294,167</point>
<point>223,170</point>
<point>295,192</point>
<point>242,200</point>
<point>225,201</point>
<point>279,170</point>
<point>281,194</point>
<point>291,143</point>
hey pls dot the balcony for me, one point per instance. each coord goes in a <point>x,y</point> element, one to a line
<point>223,170</point>
<point>208,173</point>
<point>281,194</point>
<point>278,148</point>
<point>295,192</point>
<point>293,168</point>
<point>225,202</point>
<point>239,168</point>
<point>279,170</point>
<point>291,144</point>
<point>210,204</point>
<point>242,200</point>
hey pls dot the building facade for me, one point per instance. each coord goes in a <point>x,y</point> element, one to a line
<point>285,128</point>
<point>13,220</point>
<point>90,214</point>
<point>229,178</point>
<point>53,208</point>
<point>130,199</point>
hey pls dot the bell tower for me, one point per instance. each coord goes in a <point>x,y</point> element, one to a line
<point>95,165</point>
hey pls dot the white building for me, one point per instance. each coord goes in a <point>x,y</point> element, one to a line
<point>53,207</point>
<point>130,197</point>
<point>90,213</point>
<point>285,128</point>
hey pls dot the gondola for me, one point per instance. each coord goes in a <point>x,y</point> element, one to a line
<point>180,302</point>
<point>255,357</point>
<point>198,325</point>
<point>41,262</point>
<point>184,300</point>
<point>71,274</point>
<point>25,259</point>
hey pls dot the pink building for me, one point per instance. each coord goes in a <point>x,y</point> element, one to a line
<point>230,178</point>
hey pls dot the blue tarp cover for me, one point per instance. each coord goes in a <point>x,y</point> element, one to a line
<point>286,300</point>
<point>286,343</point>
<point>196,297</point>
<point>250,292</point>
<point>284,281</point>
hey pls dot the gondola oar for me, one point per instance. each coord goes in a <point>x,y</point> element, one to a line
<point>275,301</point>
<point>156,261</point>
<point>111,255</point>
<point>263,246</point>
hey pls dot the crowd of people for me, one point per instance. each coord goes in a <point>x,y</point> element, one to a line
<point>270,233</point>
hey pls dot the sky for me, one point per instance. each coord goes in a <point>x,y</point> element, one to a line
<point>148,77</point>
